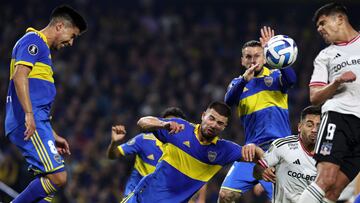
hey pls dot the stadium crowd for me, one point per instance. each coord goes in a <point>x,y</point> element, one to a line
<point>137,58</point>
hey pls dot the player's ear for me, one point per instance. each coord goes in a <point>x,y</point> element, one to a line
<point>299,126</point>
<point>340,19</point>
<point>59,25</point>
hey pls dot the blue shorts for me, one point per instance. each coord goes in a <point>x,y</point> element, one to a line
<point>133,180</point>
<point>39,151</point>
<point>240,179</point>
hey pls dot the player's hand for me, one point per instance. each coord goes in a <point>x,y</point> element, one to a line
<point>269,175</point>
<point>347,76</point>
<point>266,34</point>
<point>62,145</point>
<point>248,152</point>
<point>250,72</point>
<point>30,125</point>
<point>118,133</point>
<point>173,127</point>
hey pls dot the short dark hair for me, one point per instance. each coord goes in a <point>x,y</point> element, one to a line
<point>173,111</point>
<point>252,43</point>
<point>330,9</point>
<point>221,108</point>
<point>70,14</point>
<point>314,110</point>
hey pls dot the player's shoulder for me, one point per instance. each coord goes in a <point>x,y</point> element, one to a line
<point>147,136</point>
<point>227,144</point>
<point>326,52</point>
<point>31,37</point>
<point>281,142</point>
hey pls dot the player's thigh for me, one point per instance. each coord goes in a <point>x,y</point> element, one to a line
<point>240,177</point>
<point>39,151</point>
<point>339,142</point>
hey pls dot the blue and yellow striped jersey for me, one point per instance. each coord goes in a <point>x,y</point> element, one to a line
<point>148,151</point>
<point>31,50</point>
<point>185,166</point>
<point>263,107</point>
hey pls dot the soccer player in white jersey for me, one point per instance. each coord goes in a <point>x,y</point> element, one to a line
<point>334,84</point>
<point>292,159</point>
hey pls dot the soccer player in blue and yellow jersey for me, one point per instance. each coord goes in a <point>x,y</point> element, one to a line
<point>30,96</point>
<point>192,155</point>
<point>260,95</point>
<point>146,148</point>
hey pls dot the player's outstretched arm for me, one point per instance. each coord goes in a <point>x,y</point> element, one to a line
<point>251,153</point>
<point>21,82</point>
<point>117,136</point>
<point>150,123</point>
<point>266,33</point>
<point>319,94</point>
<point>267,174</point>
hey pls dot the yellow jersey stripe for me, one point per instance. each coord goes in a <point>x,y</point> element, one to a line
<point>40,153</point>
<point>52,189</point>
<point>142,167</point>
<point>42,71</point>
<point>189,165</point>
<point>127,197</point>
<point>43,147</point>
<point>121,150</point>
<point>232,189</point>
<point>262,100</point>
<point>48,199</point>
<point>44,185</point>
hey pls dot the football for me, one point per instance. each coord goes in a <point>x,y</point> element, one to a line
<point>280,51</point>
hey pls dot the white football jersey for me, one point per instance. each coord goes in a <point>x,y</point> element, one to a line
<point>330,64</point>
<point>294,168</point>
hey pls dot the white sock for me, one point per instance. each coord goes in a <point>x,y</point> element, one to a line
<point>312,194</point>
<point>326,200</point>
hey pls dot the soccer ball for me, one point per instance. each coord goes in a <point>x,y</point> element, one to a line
<point>280,51</point>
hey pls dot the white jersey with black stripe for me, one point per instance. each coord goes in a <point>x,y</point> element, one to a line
<point>330,63</point>
<point>294,167</point>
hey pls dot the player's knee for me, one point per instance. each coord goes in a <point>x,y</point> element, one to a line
<point>59,179</point>
<point>228,196</point>
<point>326,181</point>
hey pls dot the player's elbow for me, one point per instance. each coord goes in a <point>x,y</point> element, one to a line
<point>315,100</point>
<point>141,122</point>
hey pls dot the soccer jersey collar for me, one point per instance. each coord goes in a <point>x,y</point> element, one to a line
<point>265,72</point>
<point>42,36</point>
<point>197,131</point>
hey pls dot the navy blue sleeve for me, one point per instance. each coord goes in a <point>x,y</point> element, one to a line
<point>288,77</point>
<point>235,89</point>
<point>162,134</point>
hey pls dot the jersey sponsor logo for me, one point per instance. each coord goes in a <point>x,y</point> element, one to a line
<point>268,81</point>
<point>212,156</point>
<point>293,146</point>
<point>326,148</point>
<point>343,64</point>
<point>33,49</point>
<point>301,176</point>
<point>297,161</point>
